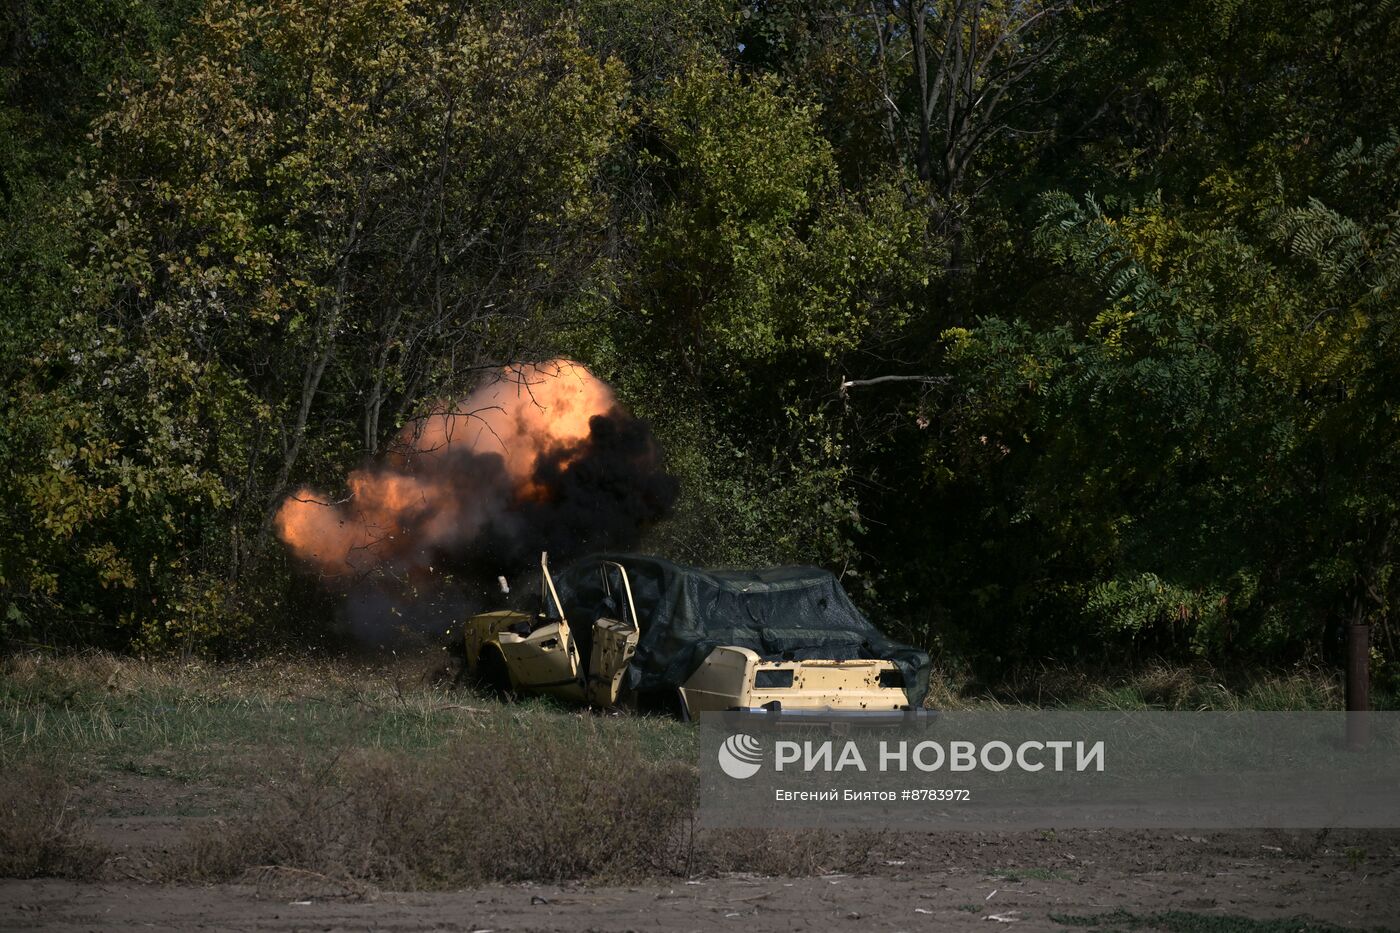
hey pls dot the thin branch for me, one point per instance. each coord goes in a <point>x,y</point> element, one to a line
<point>849,384</point>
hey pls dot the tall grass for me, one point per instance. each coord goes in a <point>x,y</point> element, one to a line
<point>377,776</point>
<point>41,832</point>
<point>541,807</point>
<point>198,722</point>
<point>388,775</point>
<point>1152,687</point>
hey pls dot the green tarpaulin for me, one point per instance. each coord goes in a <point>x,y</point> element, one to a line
<point>782,613</point>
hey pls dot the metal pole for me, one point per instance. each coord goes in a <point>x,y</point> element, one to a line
<point>1358,687</point>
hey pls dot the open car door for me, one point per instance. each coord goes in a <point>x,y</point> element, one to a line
<point>545,659</point>
<point>615,636</point>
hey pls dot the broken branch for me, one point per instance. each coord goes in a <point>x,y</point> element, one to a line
<point>849,384</point>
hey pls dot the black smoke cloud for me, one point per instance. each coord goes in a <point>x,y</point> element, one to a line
<point>600,493</point>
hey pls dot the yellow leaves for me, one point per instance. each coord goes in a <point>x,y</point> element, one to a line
<point>1110,325</point>
<point>111,568</point>
<point>1303,355</point>
<point>1147,228</point>
<point>958,340</point>
<point>61,502</point>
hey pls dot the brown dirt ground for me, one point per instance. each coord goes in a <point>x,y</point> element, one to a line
<point>923,882</point>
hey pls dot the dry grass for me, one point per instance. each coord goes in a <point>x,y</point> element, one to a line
<point>195,722</point>
<point>1154,686</point>
<point>41,833</point>
<point>364,774</point>
<point>525,812</point>
<point>530,810</point>
<point>341,779</point>
<point>351,778</point>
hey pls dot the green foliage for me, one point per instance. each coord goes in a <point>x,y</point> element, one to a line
<point>284,225</point>
<point>744,505</point>
<point>1188,430</point>
<point>1147,604</point>
<point>1135,268</point>
<point>59,57</point>
<point>755,250</point>
<point>759,276</point>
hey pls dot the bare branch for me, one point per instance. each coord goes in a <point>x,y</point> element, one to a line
<point>849,384</point>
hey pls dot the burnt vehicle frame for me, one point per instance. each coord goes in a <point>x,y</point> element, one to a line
<point>625,630</point>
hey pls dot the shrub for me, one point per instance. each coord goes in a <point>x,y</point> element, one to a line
<point>535,809</point>
<point>40,834</point>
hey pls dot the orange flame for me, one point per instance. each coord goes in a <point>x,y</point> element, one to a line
<point>521,414</point>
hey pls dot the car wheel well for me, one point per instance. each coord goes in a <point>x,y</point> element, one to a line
<point>667,702</point>
<point>490,672</point>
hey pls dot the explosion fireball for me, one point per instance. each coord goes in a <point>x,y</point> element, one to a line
<point>541,456</point>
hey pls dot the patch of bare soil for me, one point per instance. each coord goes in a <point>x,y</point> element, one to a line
<point>141,817</point>
<point>934,882</point>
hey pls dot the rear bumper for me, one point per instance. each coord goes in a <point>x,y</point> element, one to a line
<point>848,700</point>
<point>736,678</point>
<point>864,716</point>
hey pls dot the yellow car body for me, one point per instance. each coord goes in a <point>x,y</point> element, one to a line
<point>517,652</point>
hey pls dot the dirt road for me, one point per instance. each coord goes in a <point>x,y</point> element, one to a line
<point>157,761</point>
<point>1122,880</point>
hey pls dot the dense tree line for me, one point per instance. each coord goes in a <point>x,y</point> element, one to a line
<point>1061,329</point>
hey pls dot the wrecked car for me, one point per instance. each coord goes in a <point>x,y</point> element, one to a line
<point>631,630</point>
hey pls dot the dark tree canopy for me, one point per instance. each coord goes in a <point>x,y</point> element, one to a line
<point>1059,330</point>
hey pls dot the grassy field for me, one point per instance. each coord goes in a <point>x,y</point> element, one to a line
<point>192,721</point>
<point>383,773</point>
<point>97,714</point>
<point>390,775</point>
<point>1157,687</point>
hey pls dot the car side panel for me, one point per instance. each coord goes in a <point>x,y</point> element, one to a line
<point>537,663</point>
<point>614,643</point>
<point>541,661</point>
<point>729,679</point>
